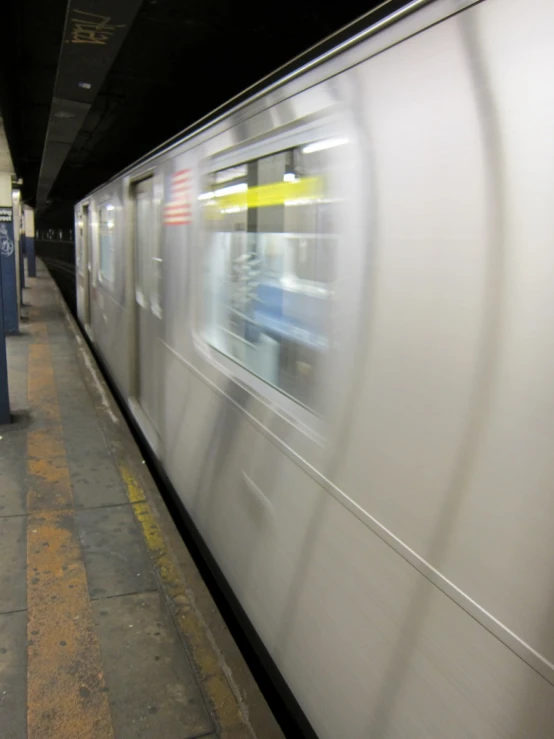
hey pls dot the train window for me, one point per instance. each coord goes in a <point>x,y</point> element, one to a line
<point>157,276</point>
<point>270,255</point>
<point>81,243</point>
<point>107,239</point>
<point>143,245</point>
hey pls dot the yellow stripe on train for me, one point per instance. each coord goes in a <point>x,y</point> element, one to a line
<point>263,196</point>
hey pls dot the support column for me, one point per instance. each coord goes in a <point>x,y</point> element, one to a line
<point>16,200</point>
<point>5,196</point>
<point>8,256</point>
<point>21,250</point>
<point>29,215</point>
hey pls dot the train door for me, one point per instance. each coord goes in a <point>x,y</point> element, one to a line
<point>147,313</point>
<point>87,262</point>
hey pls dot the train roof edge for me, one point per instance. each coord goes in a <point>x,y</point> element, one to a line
<point>388,12</point>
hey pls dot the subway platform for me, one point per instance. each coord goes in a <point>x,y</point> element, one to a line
<point>107,630</point>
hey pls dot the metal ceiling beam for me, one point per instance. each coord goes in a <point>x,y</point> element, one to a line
<point>93,34</point>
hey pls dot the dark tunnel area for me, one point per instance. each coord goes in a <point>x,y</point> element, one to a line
<point>59,258</point>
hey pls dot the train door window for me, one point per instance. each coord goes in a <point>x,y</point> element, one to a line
<point>106,232</point>
<point>92,247</point>
<point>85,249</point>
<point>270,264</point>
<point>156,295</point>
<point>143,245</point>
<point>81,241</point>
<point>147,321</point>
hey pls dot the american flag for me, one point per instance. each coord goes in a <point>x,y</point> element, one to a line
<point>177,209</point>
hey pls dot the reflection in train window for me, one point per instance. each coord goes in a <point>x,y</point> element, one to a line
<point>106,239</point>
<point>270,253</point>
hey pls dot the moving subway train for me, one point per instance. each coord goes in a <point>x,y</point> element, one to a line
<point>329,311</point>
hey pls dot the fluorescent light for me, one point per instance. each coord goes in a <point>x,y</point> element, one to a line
<point>321,145</point>
<point>231,190</point>
<point>110,207</point>
<point>206,196</point>
<point>289,177</point>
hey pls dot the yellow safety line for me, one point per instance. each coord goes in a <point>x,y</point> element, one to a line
<point>66,695</point>
<point>223,702</point>
<point>134,491</point>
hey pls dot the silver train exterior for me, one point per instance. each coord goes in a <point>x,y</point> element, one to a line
<point>330,310</point>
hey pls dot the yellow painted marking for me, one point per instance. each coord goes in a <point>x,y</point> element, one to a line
<point>47,467</point>
<point>65,687</point>
<point>218,690</point>
<point>134,491</point>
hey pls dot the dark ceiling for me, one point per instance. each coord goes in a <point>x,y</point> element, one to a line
<point>179,60</point>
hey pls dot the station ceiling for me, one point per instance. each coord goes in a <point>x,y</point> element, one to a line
<point>152,68</point>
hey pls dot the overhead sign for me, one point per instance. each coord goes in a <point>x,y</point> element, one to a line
<point>6,243</point>
<point>5,215</point>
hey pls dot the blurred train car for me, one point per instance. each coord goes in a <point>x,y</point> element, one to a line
<point>328,309</point>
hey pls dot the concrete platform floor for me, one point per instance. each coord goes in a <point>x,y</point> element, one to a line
<point>106,628</point>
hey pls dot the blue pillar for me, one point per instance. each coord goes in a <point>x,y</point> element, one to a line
<point>21,226</point>
<point>5,416</point>
<point>9,272</point>
<point>21,264</point>
<point>17,213</point>
<point>29,217</point>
